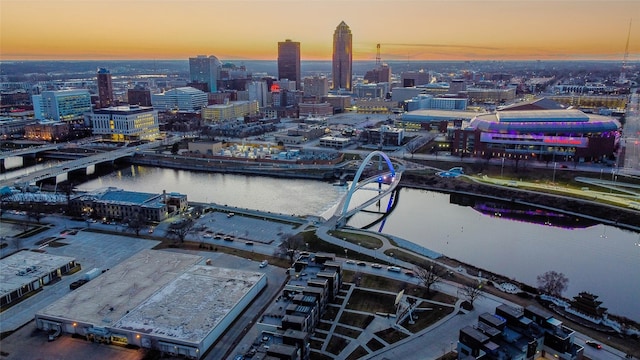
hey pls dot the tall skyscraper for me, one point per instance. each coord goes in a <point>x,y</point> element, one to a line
<point>105,88</point>
<point>289,61</point>
<point>205,70</point>
<point>342,57</point>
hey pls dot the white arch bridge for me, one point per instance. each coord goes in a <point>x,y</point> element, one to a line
<point>390,177</point>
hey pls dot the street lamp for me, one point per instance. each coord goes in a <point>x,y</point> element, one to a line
<point>554,173</point>
<point>502,167</point>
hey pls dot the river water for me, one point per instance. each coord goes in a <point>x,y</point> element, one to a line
<point>600,259</point>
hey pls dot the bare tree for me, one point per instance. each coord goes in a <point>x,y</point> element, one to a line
<point>137,222</point>
<point>180,230</point>
<point>289,245</point>
<point>430,275</point>
<point>35,215</point>
<point>470,291</point>
<point>553,283</point>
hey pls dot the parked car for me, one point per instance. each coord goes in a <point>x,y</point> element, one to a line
<point>264,263</point>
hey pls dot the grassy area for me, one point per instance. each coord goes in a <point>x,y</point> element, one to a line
<point>355,319</point>
<point>391,335</point>
<point>424,319</point>
<point>330,313</point>
<point>363,240</point>
<point>371,302</point>
<point>352,333</point>
<point>319,356</point>
<point>336,344</point>
<point>375,345</point>
<point>358,353</point>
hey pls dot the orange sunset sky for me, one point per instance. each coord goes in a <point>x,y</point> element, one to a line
<point>251,29</point>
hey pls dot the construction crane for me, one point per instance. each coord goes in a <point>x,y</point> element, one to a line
<point>625,58</point>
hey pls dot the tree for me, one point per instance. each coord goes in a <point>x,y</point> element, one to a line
<point>552,283</point>
<point>180,229</point>
<point>137,222</point>
<point>289,245</point>
<point>470,292</point>
<point>430,275</point>
<point>35,215</point>
<point>174,148</point>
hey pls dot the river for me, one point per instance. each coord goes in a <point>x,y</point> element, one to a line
<point>601,259</point>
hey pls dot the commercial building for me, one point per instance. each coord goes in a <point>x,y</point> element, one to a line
<point>180,99</point>
<point>289,61</point>
<point>139,96</point>
<point>335,142</point>
<point>10,126</point>
<point>381,74</point>
<point>26,272</point>
<point>229,111</point>
<point>547,135</point>
<point>424,101</point>
<point>105,89</point>
<point>435,119</point>
<point>414,78</point>
<point>515,333</point>
<point>371,91</point>
<point>258,91</point>
<point>206,70</point>
<point>47,130</point>
<point>342,57</point>
<point>125,123</point>
<point>385,135</point>
<point>62,105</point>
<point>316,87</point>
<point>116,204</point>
<point>157,300</point>
<point>313,109</point>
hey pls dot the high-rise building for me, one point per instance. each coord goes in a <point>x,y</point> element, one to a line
<point>203,69</point>
<point>382,73</point>
<point>105,88</point>
<point>139,96</point>
<point>289,61</point>
<point>62,105</point>
<point>316,86</point>
<point>342,57</point>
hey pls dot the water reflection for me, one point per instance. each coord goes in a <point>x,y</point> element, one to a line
<point>607,267</point>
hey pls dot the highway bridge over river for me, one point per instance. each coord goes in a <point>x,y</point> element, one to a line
<point>60,172</point>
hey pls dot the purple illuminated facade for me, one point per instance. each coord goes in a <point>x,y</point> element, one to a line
<point>546,135</point>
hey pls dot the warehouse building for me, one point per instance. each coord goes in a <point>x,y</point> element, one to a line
<point>156,300</point>
<point>26,272</point>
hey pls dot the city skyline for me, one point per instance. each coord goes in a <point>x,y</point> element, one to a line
<point>409,30</point>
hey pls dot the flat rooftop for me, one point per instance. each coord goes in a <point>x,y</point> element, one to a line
<point>27,266</point>
<point>160,293</point>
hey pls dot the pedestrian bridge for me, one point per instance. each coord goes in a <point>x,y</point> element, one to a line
<point>389,177</point>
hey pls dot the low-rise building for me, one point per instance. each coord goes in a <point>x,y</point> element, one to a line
<point>229,110</point>
<point>125,123</point>
<point>26,272</point>
<point>161,300</point>
<point>116,204</point>
<point>182,98</point>
<point>335,142</point>
<point>515,333</point>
